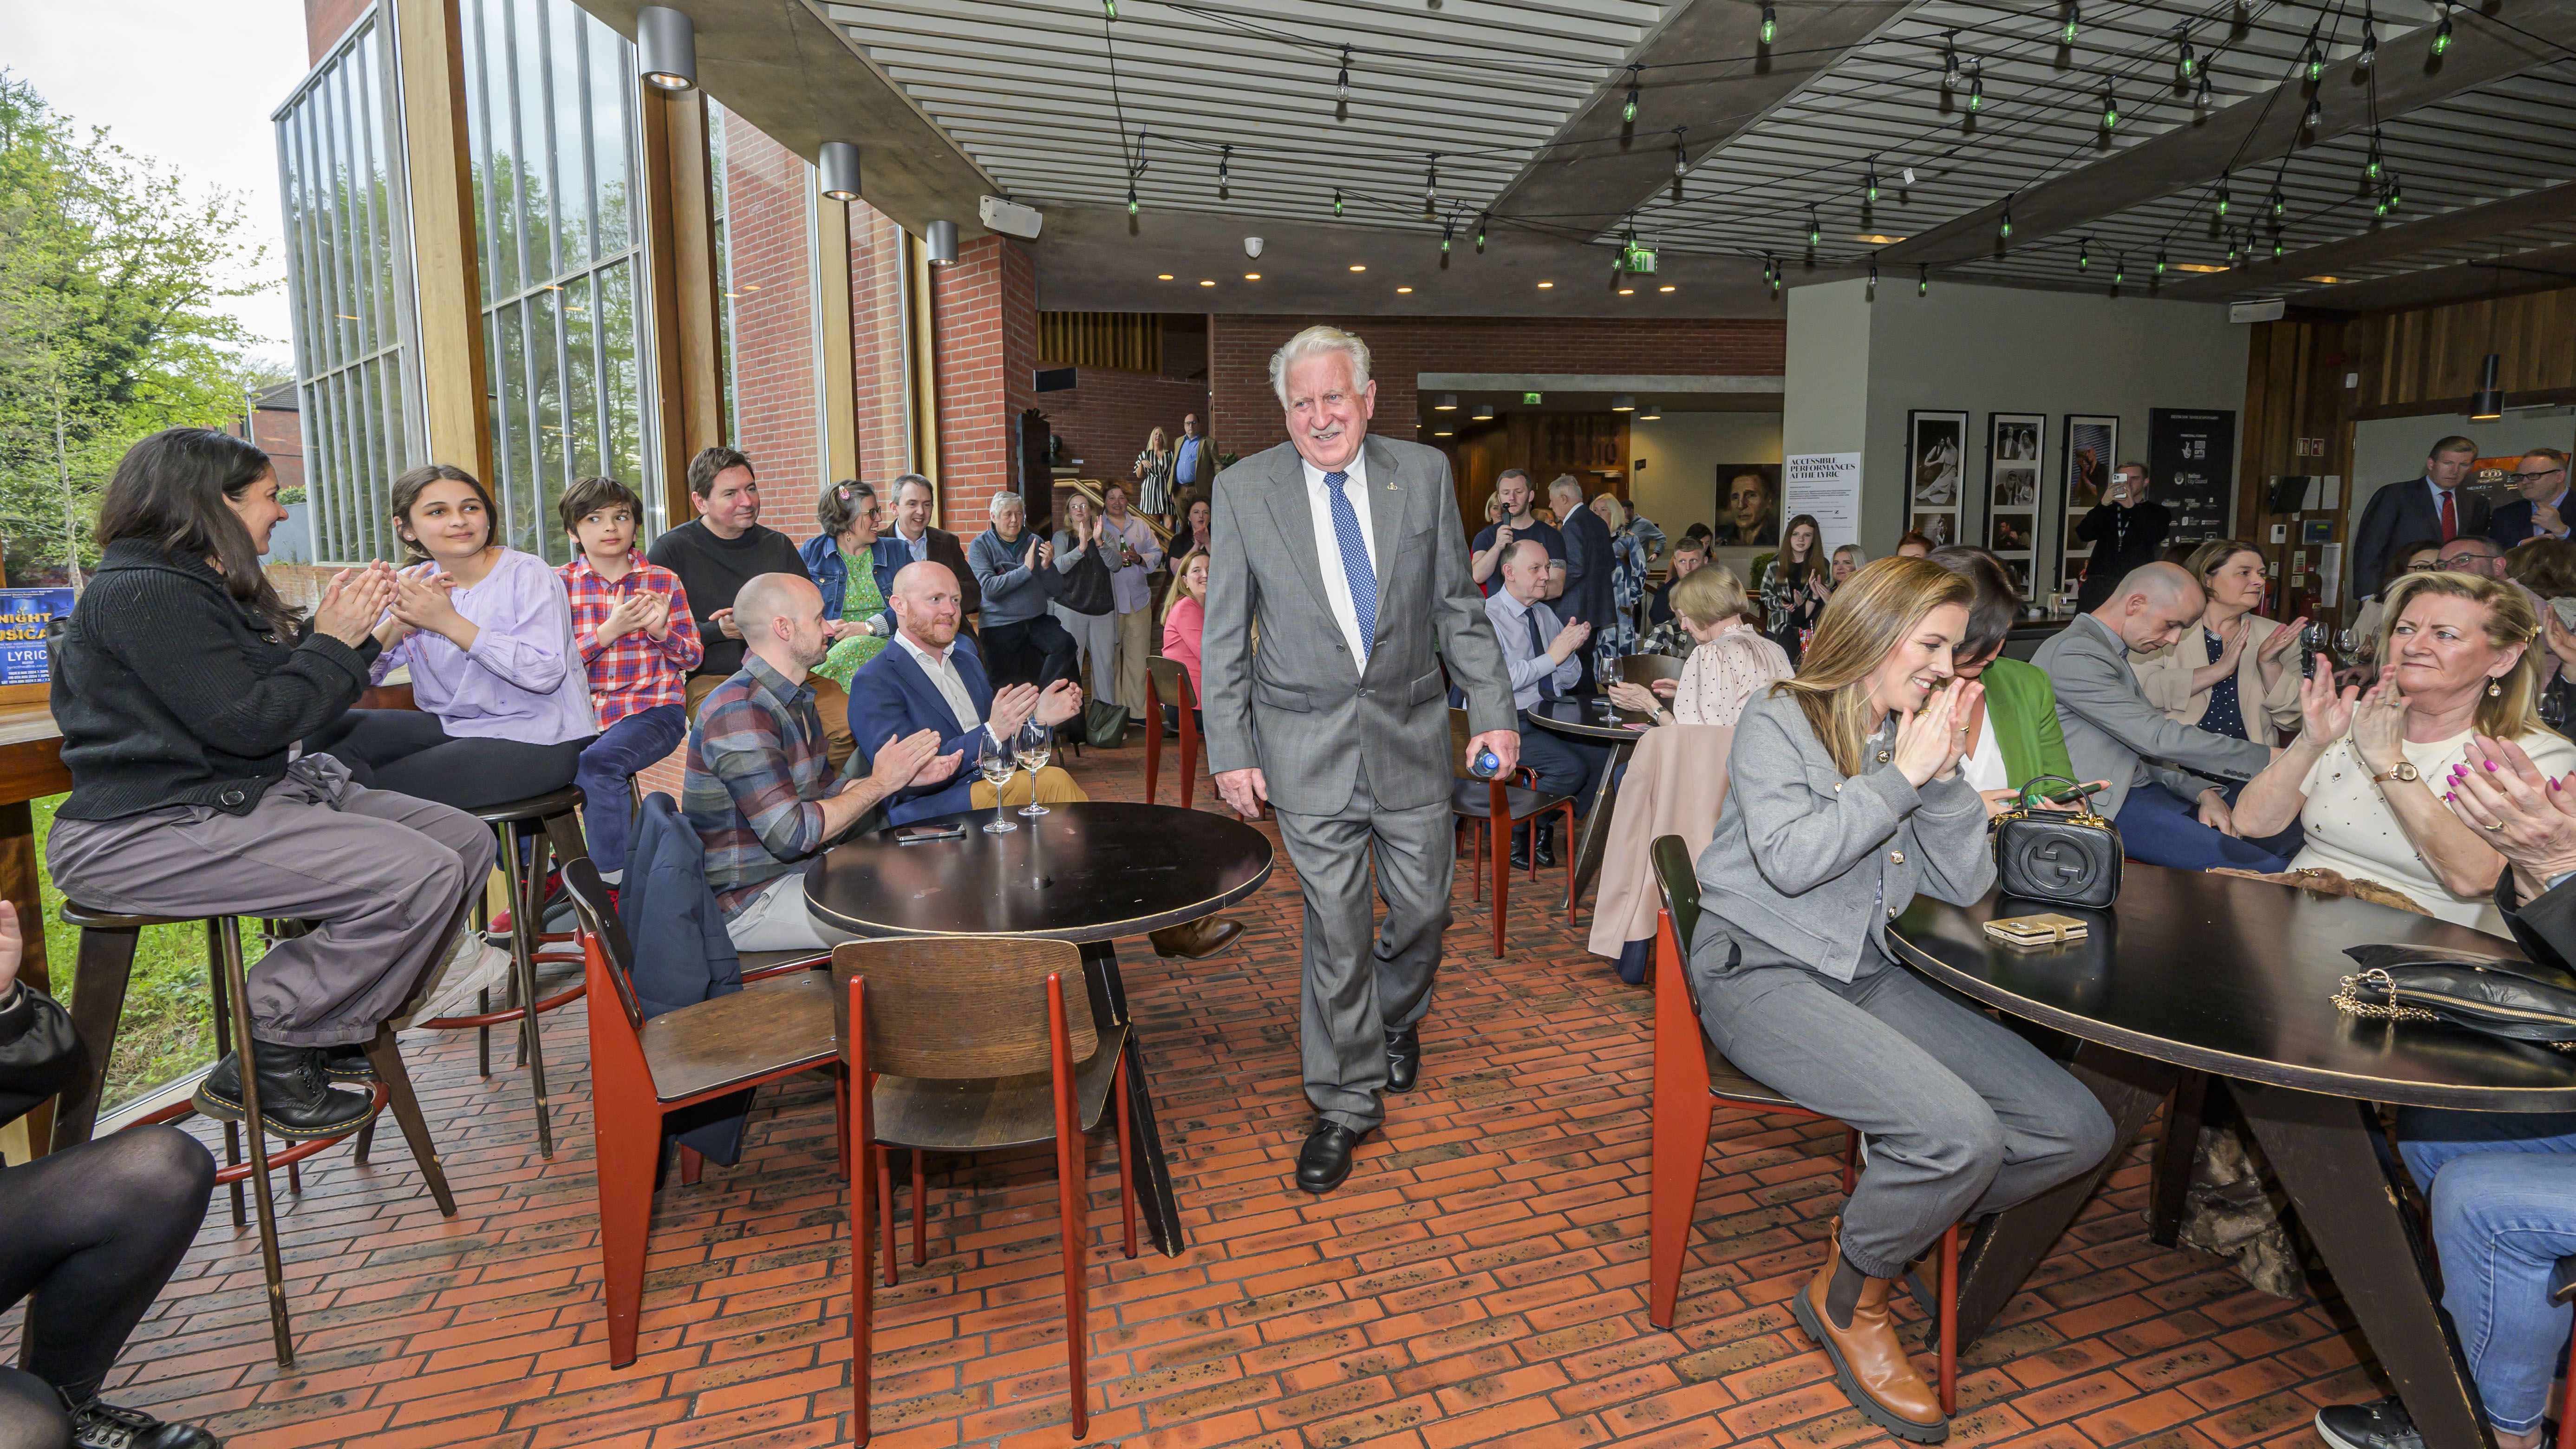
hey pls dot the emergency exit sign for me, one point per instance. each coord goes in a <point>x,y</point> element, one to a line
<point>1529,399</point>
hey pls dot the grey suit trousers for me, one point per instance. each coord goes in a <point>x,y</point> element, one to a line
<point>1963,1116</point>
<point>1358,988</point>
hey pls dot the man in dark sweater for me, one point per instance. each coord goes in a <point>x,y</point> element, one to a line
<point>2127,531</point>
<point>718,552</point>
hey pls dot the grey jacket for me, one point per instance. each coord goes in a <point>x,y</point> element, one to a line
<point>1808,865</point>
<point>1300,709</point>
<point>2115,733</point>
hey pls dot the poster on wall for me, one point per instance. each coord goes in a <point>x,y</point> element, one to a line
<point>2191,468</point>
<point>2091,451</point>
<point>1936,454</point>
<point>24,613</point>
<point>2014,463</point>
<point>1748,505</point>
<point>1826,486</point>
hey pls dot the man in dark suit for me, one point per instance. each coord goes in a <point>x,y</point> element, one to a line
<point>2127,531</point>
<point>913,540</point>
<point>1588,594</point>
<point>930,679</point>
<point>2433,506</point>
<point>2541,479</point>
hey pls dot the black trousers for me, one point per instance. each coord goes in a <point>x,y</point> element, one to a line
<point>1036,651</point>
<point>94,1231</point>
<point>408,752</point>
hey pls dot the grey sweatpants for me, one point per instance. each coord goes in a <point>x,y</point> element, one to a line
<point>1963,1117</point>
<point>1360,984</point>
<point>384,877</point>
<point>1097,636</point>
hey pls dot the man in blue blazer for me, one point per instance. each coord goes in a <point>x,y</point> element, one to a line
<point>2541,479</point>
<point>929,678</point>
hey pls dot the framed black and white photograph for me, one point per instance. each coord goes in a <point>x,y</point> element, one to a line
<point>2091,451</point>
<point>1936,465</point>
<point>2016,449</point>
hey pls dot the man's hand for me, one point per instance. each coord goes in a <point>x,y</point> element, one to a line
<point>1246,791</point>
<point>1012,706</point>
<point>1567,640</point>
<point>2214,812</point>
<point>723,620</point>
<point>1060,701</point>
<point>1506,745</point>
<point>2544,516</point>
<point>1503,536</point>
<point>903,762</point>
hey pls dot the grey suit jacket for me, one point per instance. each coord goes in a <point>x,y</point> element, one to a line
<point>1300,709</point>
<point>1808,864</point>
<point>2113,732</point>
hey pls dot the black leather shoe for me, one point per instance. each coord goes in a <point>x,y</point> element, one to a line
<point>105,1426</point>
<point>1521,848</point>
<point>1403,1058</point>
<point>295,1100</point>
<point>1326,1158</point>
<point>348,1063</point>
<point>2381,1425</point>
<point>1547,847</point>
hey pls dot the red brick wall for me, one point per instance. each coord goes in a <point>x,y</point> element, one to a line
<point>777,398</point>
<point>1247,412</point>
<point>325,21</point>
<point>984,314</point>
<point>279,432</point>
<point>1106,419</point>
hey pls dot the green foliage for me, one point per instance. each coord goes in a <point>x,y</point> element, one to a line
<point>111,277</point>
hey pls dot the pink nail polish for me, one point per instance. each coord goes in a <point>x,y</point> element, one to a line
<point>2490,764</point>
<point>2446,799</point>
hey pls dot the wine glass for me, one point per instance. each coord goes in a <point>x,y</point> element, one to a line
<point>1036,742</point>
<point>995,759</point>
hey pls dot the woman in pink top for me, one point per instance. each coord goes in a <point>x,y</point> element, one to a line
<point>1184,619</point>
<point>1731,660</point>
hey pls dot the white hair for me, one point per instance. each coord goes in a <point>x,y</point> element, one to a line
<point>1568,485</point>
<point>1313,340</point>
<point>993,510</point>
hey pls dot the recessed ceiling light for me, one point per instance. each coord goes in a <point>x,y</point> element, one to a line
<point>1162,276</point>
<point>1876,240</point>
<point>1442,433</point>
<point>1543,286</point>
<point>1666,287</point>
<point>2327,281</point>
<point>1400,291</point>
<point>1252,276</point>
<point>1359,266</point>
<point>2196,267</point>
<point>1627,291</point>
<point>1207,283</point>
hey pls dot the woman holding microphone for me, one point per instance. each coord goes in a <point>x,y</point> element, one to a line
<point>1845,799</point>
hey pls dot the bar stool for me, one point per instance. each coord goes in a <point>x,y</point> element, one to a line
<point>541,822</point>
<point>103,970</point>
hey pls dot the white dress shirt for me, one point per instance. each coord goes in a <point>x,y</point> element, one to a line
<point>942,669</point>
<point>1328,548</point>
<point>1527,666</point>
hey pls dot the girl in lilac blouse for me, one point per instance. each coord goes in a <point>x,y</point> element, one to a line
<point>487,633</point>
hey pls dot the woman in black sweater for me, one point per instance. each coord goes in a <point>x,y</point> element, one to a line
<point>185,688</point>
<point>95,1230</point>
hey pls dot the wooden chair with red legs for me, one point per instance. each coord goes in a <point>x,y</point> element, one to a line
<point>1167,683</point>
<point>1692,1079</point>
<point>975,1044</point>
<point>1497,806</point>
<point>642,1069</point>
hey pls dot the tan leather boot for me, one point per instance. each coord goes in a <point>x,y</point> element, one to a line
<point>1869,1363</point>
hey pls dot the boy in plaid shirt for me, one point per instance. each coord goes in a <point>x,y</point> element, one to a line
<point>631,625</point>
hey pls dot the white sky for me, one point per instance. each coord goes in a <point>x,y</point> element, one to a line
<point>187,84</point>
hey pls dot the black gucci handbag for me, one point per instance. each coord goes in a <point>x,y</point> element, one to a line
<point>2485,995</point>
<point>2064,858</point>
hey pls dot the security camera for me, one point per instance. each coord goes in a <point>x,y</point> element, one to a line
<point>1252,247</point>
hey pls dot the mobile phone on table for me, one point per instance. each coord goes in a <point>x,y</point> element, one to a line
<point>918,834</point>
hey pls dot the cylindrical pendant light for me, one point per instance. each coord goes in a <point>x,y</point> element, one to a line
<point>2489,405</point>
<point>1623,403</point>
<point>943,243</point>
<point>838,170</point>
<point>666,46</point>
<point>1447,402</point>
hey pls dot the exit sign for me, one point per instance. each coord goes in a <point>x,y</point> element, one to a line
<point>1529,399</point>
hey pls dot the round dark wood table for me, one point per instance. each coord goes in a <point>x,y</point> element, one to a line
<point>1575,719</point>
<point>2192,977</point>
<point>1088,872</point>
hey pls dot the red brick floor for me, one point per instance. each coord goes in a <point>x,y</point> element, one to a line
<point>1480,1278</point>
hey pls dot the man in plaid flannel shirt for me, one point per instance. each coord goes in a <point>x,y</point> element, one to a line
<point>759,791</point>
<point>631,626</point>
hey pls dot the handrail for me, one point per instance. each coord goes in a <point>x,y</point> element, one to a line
<point>1094,488</point>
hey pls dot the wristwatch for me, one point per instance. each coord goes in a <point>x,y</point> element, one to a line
<point>2405,770</point>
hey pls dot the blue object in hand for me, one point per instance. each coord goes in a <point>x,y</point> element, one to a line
<point>1486,765</point>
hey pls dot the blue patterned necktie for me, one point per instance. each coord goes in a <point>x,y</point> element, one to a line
<point>1356,568</point>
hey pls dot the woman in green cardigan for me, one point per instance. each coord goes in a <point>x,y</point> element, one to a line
<point>2017,739</point>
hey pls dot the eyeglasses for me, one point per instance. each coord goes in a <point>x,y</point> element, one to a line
<point>2528,477</point>
<point>2428,568</point>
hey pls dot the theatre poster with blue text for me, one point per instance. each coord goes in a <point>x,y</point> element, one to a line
<point>23,616</point>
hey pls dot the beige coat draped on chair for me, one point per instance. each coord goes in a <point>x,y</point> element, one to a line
<point>1675,783</point>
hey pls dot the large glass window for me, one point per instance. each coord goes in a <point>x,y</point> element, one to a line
<point>551,122</point>
<point>349,286</point>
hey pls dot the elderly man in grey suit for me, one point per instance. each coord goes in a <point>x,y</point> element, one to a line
<point>2167,813</point>
<point>1346,552</point>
